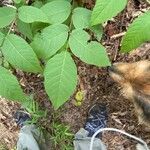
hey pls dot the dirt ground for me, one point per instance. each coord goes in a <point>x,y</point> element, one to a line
<point>97,86</point>
<point>8,128</point>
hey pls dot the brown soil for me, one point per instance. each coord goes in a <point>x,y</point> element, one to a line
<point>8,127</point>
<point>97,86</point>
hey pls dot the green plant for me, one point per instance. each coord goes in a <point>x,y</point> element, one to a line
<point>106,9</point>
<point>137,33</point>
<point>46,36</point>
<point>34,110</point>
<point>3,147</point>
<point>61,136</point>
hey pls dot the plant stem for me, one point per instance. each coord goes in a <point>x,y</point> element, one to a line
<point>6,36</point>
<point>70,25</point>
<point>12,24</point>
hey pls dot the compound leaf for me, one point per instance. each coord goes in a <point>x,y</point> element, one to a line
<point>30,14</point>
<point>57,11</point>
<point>106,9</point>
<point>137,33</point>
<point>60,78</point>
<point>50,40</point>
<point>9,86</point>
<point>7,15</point>
<point>91,53</point>
<point>20,55</point>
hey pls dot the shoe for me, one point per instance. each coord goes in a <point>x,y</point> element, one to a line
<point>21,117</point>
<point>96,119</point>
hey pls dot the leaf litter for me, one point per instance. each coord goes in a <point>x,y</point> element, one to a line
<point>97,86</point>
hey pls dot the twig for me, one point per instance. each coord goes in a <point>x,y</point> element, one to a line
<point>70,25</point>
<point>11,6</point>
<point>118,35</point>
<point>12,24</point>
<point>116,53</point>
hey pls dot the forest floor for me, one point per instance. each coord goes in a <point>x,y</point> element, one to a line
<point>97,86</point>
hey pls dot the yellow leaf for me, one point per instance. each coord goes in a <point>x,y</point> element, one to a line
<point>78,103</point>
<point>79,96</point>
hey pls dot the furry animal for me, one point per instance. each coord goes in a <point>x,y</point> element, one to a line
<point>134,79</point>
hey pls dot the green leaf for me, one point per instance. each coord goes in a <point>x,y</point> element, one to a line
<point>17,1</point>
<point>81,17</point>
<point>51,39</point>
<point>57,11</point>
<point>1,38</point>
<point>95,54</point>
<point>37,4</point>
<point>30,14</point>
<point>9,86</point>
<point>106,9</point>
<point>4,30</point>
<point>78,42</point>
<point>7,15</point>
<point>98,31</point>
<point>137,33</point>
<point>58,0</point>
<point>91,53</point>
<point>20,55</point>
<point>25,29</point>
<point>60,78</point>
<point>37,26</point>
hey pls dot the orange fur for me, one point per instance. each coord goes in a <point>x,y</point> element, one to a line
<point>134,79</point>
